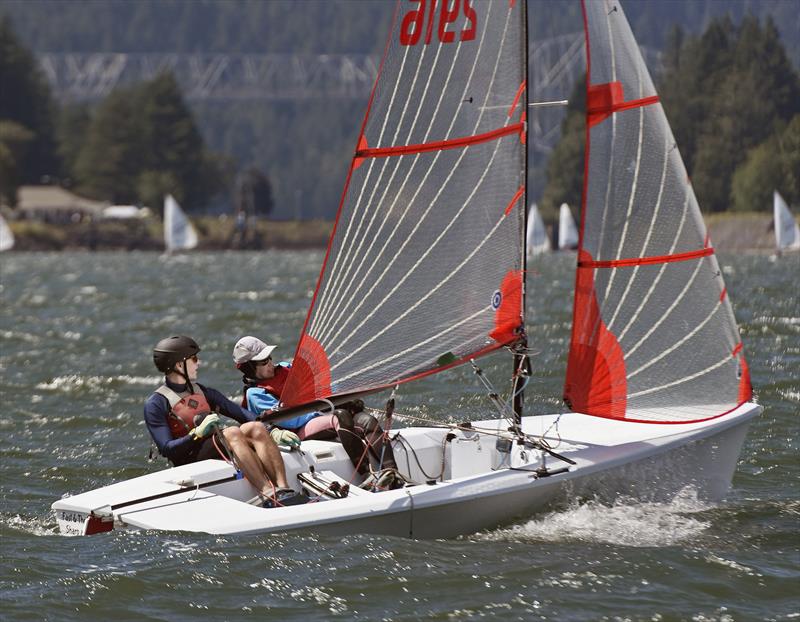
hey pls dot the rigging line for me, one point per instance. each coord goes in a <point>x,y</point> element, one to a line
<point>382,362</point>
<point>631,198</point>
<point>635,317</point>
<point>678,343</point>
<point>683,380</point>
<point>664,315</point>
<point>416,265</point>
<point>419,186</point>
<point>350,222</point>
<point>344,294</point>
<point>421,219</point>
<point>352,250</point>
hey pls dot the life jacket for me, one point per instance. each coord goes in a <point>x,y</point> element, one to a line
<point>272,385</point>
<point>184,407</point>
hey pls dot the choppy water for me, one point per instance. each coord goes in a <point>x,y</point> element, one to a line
<point>75,338</point>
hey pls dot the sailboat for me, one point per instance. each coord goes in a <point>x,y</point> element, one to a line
<point>425,271</point>
<point>6,235</point>
<point>567,229</point>
<point>787,233</point>
<point>179,234</point>
<point>536,240</point>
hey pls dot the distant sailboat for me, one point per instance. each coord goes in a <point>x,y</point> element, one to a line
<point>179,234</point>
<point>567,231</point>
<point>6,237</point>
<point>537,240</point>
<point>787,233</point>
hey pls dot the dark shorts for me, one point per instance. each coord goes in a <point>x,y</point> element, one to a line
<point>207,451</point>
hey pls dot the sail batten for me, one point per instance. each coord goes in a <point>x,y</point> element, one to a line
<point>654,337</point>
<point>424,266</point>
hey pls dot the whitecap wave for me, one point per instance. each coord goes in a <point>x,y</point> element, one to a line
<point>625,523</point>
<point>74,382</point>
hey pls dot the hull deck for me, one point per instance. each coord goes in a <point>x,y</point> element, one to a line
<point>462,480</point>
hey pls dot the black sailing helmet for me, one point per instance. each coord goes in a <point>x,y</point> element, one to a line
<point>173,350</point>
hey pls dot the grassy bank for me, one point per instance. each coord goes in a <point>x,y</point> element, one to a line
<point>146,234</point>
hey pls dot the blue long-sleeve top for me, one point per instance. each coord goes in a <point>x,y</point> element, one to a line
<point>180,450</point>
<point>259,400</point>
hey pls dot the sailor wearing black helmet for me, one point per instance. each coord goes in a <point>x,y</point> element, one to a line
<point>181,417</point>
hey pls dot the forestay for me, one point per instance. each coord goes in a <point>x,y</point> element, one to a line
<point>425,264</point>
<point>654,337</point>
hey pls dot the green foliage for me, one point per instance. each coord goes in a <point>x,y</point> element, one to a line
<point>142,143</point>
<point>729,96</point>
<point>25,100</point>
<point>772,165</point>
<point>14,139</point>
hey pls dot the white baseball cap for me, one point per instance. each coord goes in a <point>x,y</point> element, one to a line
<point>251,349</point>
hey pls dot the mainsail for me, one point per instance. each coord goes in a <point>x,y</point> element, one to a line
<point>787,233</point>
<point>424,268</point>
<point>654,337</point>
<point>179,234</point>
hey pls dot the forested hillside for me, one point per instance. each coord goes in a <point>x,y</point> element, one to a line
<point>303,147</point>
<point>733,100</point>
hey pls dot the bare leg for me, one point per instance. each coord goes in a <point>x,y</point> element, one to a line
<point>248,460</point>
<point>267,452</point>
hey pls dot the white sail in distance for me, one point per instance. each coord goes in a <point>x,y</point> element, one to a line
<point>179,234</point>
<point>567,229</point>
<point>787,233</point>
<point>425,264</point>
<point>6,236</point>
<point>654,337</point>
<point>537,241</point>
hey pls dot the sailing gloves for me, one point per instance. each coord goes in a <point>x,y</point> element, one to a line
<point>285,438</point>
<point>206,427</point>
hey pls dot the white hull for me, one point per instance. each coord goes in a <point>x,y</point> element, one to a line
<point>640,460</point>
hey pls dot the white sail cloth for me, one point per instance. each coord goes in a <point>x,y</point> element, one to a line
<point>654,337</point>
<point>179,234</point>
<point>787,233</point>
<point>424,268</point>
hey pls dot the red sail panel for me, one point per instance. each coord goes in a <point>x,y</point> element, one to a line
<point>424,267</point>
<point>653,327</point>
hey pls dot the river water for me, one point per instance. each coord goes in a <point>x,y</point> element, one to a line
<point>76,332</point>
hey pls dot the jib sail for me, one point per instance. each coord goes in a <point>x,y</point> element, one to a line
<point>654,337</point>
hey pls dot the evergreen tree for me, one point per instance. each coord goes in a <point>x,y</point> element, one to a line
<point>116,149</point>
<point>26,102</point>
<point>14,140</point>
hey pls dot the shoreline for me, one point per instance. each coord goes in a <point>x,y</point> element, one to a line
<point>729,232</point>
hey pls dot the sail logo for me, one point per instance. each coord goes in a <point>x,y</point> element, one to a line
<point>427,15</point>
<point>497,299</point>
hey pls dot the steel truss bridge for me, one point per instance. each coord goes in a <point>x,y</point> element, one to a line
<point>555,65</point>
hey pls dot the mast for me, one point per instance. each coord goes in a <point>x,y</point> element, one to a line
<point>520,359</point>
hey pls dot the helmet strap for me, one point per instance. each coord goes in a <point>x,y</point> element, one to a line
<point>186,377</point>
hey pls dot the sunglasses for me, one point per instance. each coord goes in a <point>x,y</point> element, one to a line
<point>193,358</point>
<point>264,362</point>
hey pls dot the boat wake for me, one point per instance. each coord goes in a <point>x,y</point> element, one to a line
<point>35,526</point>
<point>627,523</point>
